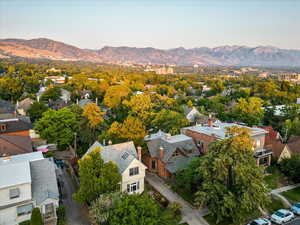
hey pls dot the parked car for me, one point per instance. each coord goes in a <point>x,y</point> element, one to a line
<point>296,208</point>
<point>281,216</point>
<point>260,221</point>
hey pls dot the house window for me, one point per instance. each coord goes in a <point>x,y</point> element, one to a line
<point>14,193</point>
<point>176,153</point>
<point>153,164</point>
<point>3,127</point>
<point>24,209</point>
<point>131,188</point>
<point>133,171</point>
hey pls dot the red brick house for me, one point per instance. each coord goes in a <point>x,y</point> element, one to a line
<point>168,154</point>
<point>15,126</point>
<point>204,135</point>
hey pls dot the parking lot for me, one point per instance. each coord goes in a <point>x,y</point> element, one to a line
<point>295,221</point>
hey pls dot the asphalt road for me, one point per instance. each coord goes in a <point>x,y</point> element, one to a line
<point>75,213</point>
<point>294,222</point>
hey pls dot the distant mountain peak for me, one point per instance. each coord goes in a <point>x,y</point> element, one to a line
<point>226,55</point>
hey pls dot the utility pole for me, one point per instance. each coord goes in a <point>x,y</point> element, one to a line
<point>75,144</point>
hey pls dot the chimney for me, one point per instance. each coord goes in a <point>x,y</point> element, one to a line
<point>210,122</point>
<point>161,152</point>
<point>139,148</point>
<point>109,142</point>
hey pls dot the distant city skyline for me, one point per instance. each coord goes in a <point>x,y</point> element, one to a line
<point>160,24</point>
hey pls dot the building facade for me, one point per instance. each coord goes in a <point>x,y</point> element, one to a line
<point>128,160</point>
<point>29,182</point>
<point>204,135</point>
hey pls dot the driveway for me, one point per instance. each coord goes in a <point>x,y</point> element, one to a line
<point>76,214</point>
<point>189,214</point>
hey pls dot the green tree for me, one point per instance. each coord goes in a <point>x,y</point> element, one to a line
<point>96,177</point>
<point>139,210</point>
<point>170,121</point>
<point>52,93</point>
<point>232,184</point>
<point>291,167</point>
<point>58,126</point>
<point>249,111</point>
<point>36,217</point>
<point>36,110</point>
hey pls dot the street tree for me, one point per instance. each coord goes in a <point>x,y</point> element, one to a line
<point>93,114</point>
<point>232,184</point>
<point>96,177</point>
<point>58,126</point>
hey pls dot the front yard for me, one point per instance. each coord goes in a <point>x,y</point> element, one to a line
<point>275,205</point>
<point>292,195</point>
<point>275,178</point>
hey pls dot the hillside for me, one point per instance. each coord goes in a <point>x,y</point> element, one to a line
<point>224,55</point>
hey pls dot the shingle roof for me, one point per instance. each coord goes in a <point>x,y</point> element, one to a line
<point>122,154</point>
<point>84,102</point>
<point>169,144</point>
<point>6,107</point>
<point>15,124</point>
<point>25,104</point>
<point>180,163</point>
<point>44,183</point>
<point>23,143</point>
<point>294,144</point>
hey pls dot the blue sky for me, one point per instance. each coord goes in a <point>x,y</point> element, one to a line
<point>157,23</point>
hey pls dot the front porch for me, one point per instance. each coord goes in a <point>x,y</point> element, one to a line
<point>263,157</point>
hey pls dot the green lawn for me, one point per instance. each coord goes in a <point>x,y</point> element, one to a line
<point>275,179</point>
<point>292,195</point>
<point>275,205</point>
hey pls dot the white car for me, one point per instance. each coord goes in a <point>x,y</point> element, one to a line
<point>281,216</point>
<point>260,221</point>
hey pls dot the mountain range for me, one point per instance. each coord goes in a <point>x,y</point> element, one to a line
<point>42,48</point>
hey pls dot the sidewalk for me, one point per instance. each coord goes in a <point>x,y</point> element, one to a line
<point>276,193</point>
<point>189,214</point>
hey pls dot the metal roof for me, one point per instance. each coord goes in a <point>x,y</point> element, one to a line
<point>21,158</point>
<point>219,129</point>
<point>14,174</point>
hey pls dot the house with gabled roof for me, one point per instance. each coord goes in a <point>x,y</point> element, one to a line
<point>128,160</point>
<point>29,181</point>
<point>168,154</point>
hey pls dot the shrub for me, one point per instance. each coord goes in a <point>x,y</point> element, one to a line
<point>36,217</point>
<point>61,214</point>
<point>27,222</point>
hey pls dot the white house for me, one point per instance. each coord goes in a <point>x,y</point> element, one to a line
<point>27,181</point>
<point>128,160</point>
<point>191,113</point>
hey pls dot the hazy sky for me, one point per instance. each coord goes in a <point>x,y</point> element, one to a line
<point>155,23</point>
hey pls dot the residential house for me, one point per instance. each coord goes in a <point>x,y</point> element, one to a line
<point>29,181</point>
<point>281,151</point>
<point>65,95</point>
<point>24,105</point>
<point>168,154</point>
<point>84,102</point>
<point>14,145</point>
<point>15,126</point>
<point>294,144</point>
<point>191,113</point>
<point>56,79</point>
<point>204,135</point>
<point>128,160</point>
<point>7,110</point>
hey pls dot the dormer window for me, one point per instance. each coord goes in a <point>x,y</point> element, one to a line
<point>3,127</point>
<point>133,171</point>
<point>14,193</point>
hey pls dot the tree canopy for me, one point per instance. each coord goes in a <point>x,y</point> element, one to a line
<point>232,184</point>
<point>96,177</point>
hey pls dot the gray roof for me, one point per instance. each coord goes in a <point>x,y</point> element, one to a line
<point>169,144</point>
<point>44,183</point>
<point>219,129</point>
<point>14,174</point>
<point>84,102</point>
<point>122,154</point>
<point>28,157</point>
<point>181,162</point>
<point>25,104</point>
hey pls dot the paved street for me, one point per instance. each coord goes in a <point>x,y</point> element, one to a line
<point>190,215</point>
<point>75,213</point>
<point>294,222</point>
